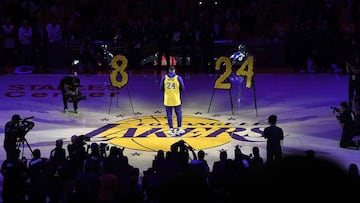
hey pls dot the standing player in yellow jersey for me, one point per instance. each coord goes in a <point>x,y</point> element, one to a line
<point>172,85</point>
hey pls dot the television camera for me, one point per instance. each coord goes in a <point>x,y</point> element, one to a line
<point>82,139</point>
<point>180,146</point>
<point>25,125</point>
<point>183,148</point>
<point>335,110</point>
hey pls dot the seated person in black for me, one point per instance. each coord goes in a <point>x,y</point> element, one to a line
<point>69,86</point>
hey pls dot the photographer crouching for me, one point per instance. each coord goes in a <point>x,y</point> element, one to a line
<point>69,86</point>
<point>15,131</point>
<point>347,120</point>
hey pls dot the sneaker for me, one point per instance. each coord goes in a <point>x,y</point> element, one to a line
<point>171,132</point>
<point>76,111</point>
<point>66,110</point>
<point>180,131</point>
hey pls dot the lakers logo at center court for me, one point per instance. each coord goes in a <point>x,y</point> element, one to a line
<point>149,133</point>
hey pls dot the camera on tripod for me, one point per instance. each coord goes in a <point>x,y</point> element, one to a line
<point>335,110</point>
<point>19,128</point>
<point>82,139</point>
<point>180,146</point>
<point>25,125</point>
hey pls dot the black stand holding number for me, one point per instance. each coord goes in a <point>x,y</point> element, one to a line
<point>231,101</point>
<point>116,91</point>
<point>222,84</point>
<point>249,74</point>
<point>254,92</point>
<point>119,71</point>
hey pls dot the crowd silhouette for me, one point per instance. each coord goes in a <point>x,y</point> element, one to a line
<point>85,172</point>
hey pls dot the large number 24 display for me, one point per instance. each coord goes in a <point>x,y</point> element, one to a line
<point>246,69</point>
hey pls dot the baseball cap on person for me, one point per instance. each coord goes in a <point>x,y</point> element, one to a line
<point>15,117</point>
<point>171,68</point>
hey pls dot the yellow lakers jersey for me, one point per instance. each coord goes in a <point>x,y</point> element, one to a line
<point>171,91</point>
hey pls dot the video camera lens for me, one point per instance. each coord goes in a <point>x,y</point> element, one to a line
<point>82,139</point>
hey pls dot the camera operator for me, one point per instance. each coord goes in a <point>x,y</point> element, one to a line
<point>69,86</point>
<point>15,131</point>
<point>346,119</point>
<point>38,178</point>
<point>353,69</point>
<point>77,154</point>
<point>94,161</point>
<point>181,152</point>
<point>58,158</point>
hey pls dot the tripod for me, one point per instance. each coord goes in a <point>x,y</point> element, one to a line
<point>21,143</point>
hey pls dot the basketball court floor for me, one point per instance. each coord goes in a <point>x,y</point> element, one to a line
<point>133,116</point>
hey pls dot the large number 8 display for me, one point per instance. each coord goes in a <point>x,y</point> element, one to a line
<point>119,70</point>
<point>246,69</point>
